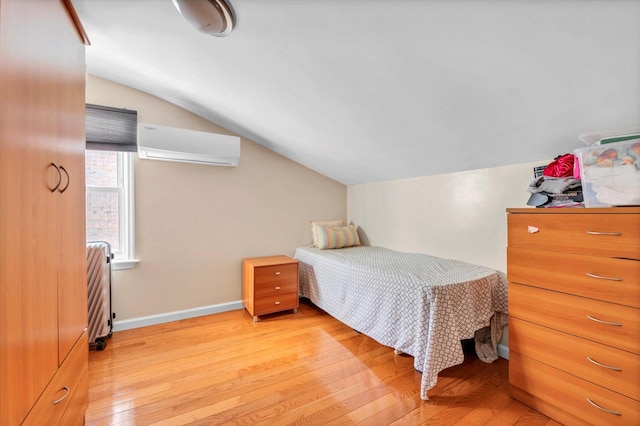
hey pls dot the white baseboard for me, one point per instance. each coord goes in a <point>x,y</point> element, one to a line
<point>175,316</point>
<point>503,351</point>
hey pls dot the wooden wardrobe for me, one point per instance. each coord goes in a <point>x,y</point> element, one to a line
<point>43,289</point>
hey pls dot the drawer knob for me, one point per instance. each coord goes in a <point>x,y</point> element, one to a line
<point>66,394</point>
<point>616,413</point>
<point>277,288</point>
<point>600,277</point>
<point>610,234</point>
<point>276,303</point>
<point>617,324</point>
<point>602,365</point>
<point>277,273</point>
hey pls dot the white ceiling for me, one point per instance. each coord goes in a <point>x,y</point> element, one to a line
<point>370,90</point>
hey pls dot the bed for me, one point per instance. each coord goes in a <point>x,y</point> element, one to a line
<point>415,303</point>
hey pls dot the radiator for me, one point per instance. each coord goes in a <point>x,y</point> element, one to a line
<point>99,293</point>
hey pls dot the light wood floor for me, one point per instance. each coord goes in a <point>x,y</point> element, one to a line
<point>305,368</point>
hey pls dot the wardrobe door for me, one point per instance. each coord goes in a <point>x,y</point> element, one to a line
<point>29,219</point>
<point>72,273</point>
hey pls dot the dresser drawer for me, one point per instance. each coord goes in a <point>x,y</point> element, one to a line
<point>65,389</point>
<point>613,280</point>
<point>571,354</point>
<point>603,322</point>
<point>566,397</point>
<point>598,234</point>
<point>276,303</point>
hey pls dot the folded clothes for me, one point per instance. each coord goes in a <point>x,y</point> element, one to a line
<point>553,185</point>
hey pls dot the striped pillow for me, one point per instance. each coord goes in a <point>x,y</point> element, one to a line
<point>331,223</point>
<point>333,237</point>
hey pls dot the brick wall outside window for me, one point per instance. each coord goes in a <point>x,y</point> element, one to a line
<point>101,168</point>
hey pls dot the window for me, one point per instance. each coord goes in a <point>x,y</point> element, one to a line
<point>109,182</point>
<point>111,140</point>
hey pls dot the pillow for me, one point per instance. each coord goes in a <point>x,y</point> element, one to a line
<point>332,223</point>
<point>333,237</point>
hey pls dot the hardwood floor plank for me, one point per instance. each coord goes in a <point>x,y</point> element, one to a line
<point>253,390</point>
<point>305,368</point>
<point>324,386</point>
<point>167,383</point>
<point>370,386</point>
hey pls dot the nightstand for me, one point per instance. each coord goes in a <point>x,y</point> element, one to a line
<point>269,284</point>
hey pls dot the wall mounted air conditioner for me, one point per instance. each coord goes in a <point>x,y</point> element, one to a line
<point>187,146</point>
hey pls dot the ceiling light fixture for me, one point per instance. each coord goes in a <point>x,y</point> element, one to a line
<point>212,17</point>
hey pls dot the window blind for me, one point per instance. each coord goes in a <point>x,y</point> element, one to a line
<point>111,129</point>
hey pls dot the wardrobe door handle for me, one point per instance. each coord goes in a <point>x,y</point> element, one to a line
<point>59,177</point>
<point>68,180</point>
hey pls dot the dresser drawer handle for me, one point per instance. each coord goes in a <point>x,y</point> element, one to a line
<point>603,366</point>
<point>276,303</point>
<point>611,234</point>
<point>600,277</point>
<point>277,287</point>
<point>277,273</point>
<point>617,324</point>
<point>66,394</point>
<point>617,413</point>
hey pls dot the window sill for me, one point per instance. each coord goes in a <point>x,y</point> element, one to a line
<point>117,265</point>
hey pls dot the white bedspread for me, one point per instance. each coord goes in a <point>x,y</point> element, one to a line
<point>415,303</point>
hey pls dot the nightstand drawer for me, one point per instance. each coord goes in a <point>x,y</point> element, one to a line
<point>603,322</point>
<point>275,288</point>
<point>603,365</point>
<point>276,303</point>
<point>613,280</point>
<point>597,234</point>
<point>267,276</point>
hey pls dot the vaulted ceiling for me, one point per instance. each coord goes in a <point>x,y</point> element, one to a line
<point>371,90</point>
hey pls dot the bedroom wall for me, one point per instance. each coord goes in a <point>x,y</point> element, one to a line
<point>458,215</point>
<point>195,223</point>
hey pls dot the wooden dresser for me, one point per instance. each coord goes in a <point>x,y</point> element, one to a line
<point>269,284</point>
<point>574,313</point>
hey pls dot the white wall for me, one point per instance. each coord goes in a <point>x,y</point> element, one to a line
<point>195,223</point>
<point>457,215</point>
